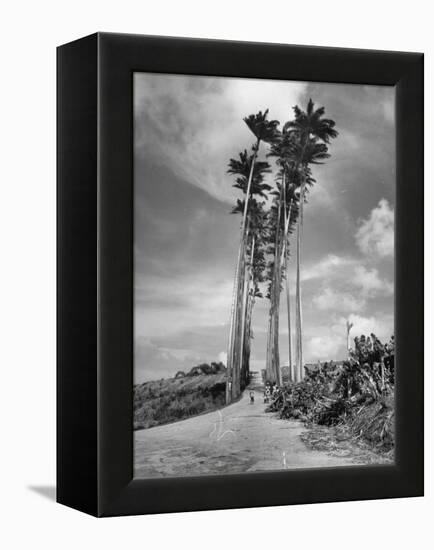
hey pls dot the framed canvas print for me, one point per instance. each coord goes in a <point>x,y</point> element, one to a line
<point>240,274</point>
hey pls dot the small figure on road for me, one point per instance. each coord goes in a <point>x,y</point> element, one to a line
<point>252,397</point>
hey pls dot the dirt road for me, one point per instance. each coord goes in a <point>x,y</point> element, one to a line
<point>236,439</point>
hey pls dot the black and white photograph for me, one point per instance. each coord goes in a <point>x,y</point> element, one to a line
<point>263,275</point>
<point>216,282</point>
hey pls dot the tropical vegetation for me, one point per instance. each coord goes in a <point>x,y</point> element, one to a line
<point>357,396</point>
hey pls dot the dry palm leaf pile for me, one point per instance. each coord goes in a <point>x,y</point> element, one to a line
<point>355,396</point>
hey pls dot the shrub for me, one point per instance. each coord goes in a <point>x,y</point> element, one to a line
<point>360,394</point>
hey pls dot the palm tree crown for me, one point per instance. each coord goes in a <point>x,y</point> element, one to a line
<point>310,123</point>
<point>263,129</point>
<point>242,167</point>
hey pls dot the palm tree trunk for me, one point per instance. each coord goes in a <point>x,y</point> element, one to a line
<point>288,308</point>
<point>276,354</point>
<point>247,277</point>
<point>249,311</point>
<point>288,294</point>
<point>299,322</point>
<point>234,358</point>
<point>268,352</point>
<point>233,361</point>
<point>285,258</point>
<point>276,311</point>
<point>298,310</point>
<point>237,355</point>
<point>248,337</point>
<point>233,331</point>
<point>275,358</point>
<point>243,325</point>
<point>229,359</point>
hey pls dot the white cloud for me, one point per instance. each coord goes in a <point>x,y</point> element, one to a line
<point>195,124</point>
<point>330,265</point>
<point>347,285</point>
<point>370,283</point>
<point>223,357</point>
<point>331,299</point>
<point>375,235</point>
<point>323,348</point>
<point>382,327</point>
<point>329,341</point>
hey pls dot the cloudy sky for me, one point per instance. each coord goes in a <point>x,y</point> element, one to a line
<point>186,241</point>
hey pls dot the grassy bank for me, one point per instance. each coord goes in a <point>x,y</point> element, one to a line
<point>169,400</point>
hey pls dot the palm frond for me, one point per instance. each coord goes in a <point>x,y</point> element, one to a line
<point>263,129</point>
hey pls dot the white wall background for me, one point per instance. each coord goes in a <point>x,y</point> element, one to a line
<point>30,31</point>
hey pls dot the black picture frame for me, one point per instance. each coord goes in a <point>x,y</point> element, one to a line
<point>95,273</point>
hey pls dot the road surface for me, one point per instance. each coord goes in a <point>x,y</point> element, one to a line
<point>236,439</point>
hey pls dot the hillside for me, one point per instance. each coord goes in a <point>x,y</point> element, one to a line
<point>169,400</point>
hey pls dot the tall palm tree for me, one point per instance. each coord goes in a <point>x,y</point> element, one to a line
<point>291,214</point>
<point>254,276</point>
<point>247,172</point>
<point>273,356</point>
<point>282,217</point>
<point>283,149</point>
<point>263,130</point>
<point>312,132</point>
<point>254,271</point>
